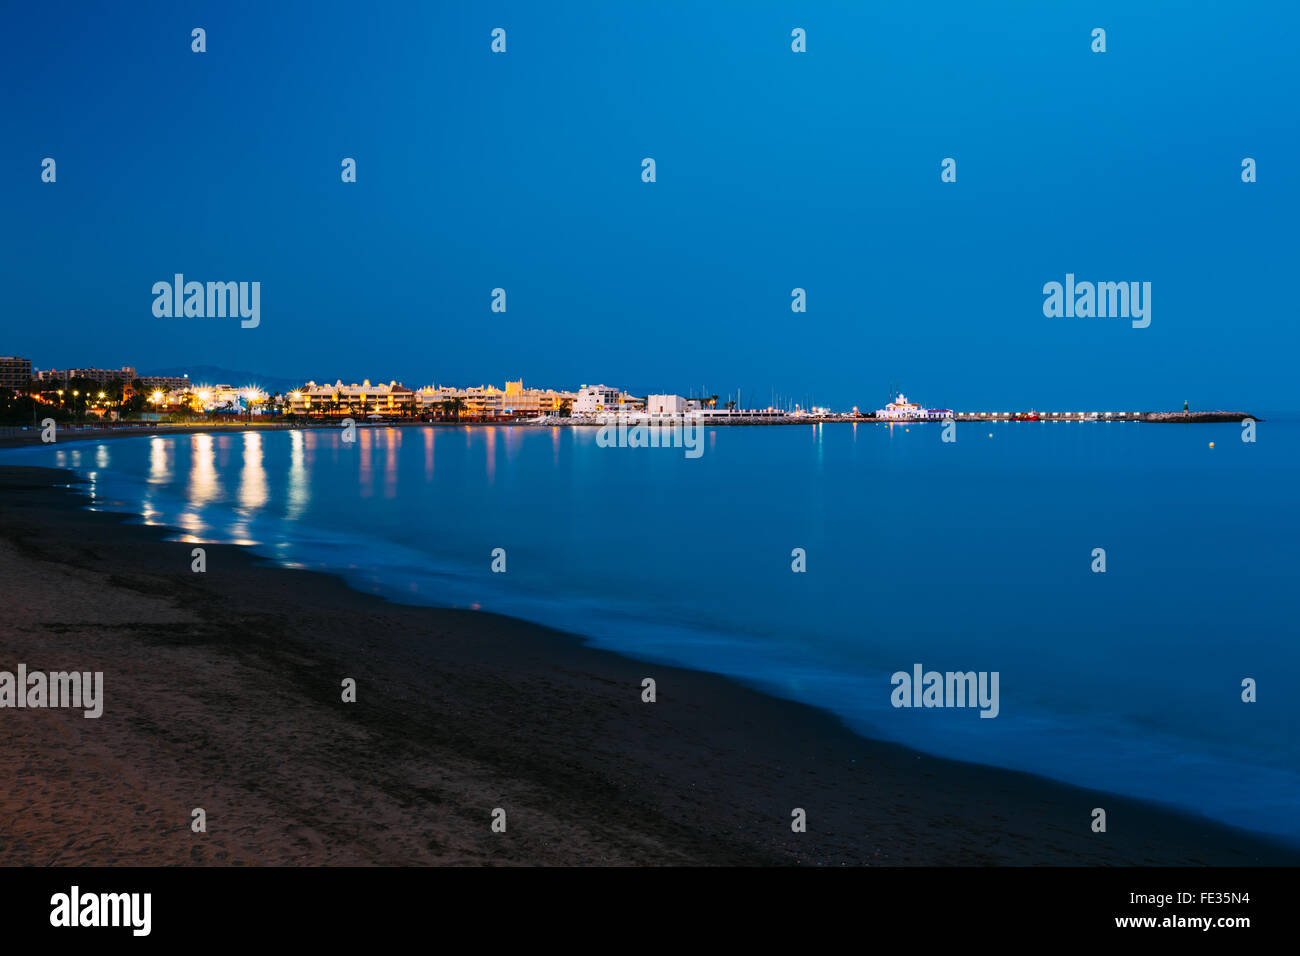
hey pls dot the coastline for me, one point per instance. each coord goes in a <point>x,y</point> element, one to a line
<point>16,437</point>
<point>223,693</point>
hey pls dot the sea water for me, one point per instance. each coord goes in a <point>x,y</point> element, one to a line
<point>973,555</point>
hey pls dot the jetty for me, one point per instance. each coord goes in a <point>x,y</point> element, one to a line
<point>1036,416</point>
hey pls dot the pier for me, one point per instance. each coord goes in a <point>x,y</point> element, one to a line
<point>1186,417</point>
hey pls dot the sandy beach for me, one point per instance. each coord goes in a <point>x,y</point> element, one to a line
<point>223,691</point>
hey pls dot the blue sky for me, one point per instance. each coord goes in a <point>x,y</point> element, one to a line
<point>775,170</point>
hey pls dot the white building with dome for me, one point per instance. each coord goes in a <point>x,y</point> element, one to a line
<point>902,410</point>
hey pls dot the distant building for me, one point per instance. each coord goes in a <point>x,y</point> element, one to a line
<point>15,372</point>
<point>125,375</point>
<point>481,401</point>
<point>476,401</point>
<point>598,399</point>
<point>103,376</point>
<point>391,399</point>
<point>594,399</point>
<point>902,410</point>
<point>488,401</point>
<point>165,383</point>
<point>207,398</point>
<point>517,400</point>
<point>667,405</point>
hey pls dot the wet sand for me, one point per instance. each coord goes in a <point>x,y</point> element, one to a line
<point>223,691</point>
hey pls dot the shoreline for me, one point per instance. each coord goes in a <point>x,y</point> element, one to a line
<point>223,692</point>
<point>13,436</point>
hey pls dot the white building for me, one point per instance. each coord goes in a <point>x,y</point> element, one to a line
<point>596,399</point>
<point>902,410</point>
<point>666,404</point>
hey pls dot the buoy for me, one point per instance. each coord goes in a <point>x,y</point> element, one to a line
<point>990,434</point>
<point>1211,444</point>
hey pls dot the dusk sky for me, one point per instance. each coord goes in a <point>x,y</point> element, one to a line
<point>775,170</point>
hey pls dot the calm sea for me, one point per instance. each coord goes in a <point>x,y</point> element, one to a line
<point>975,555</point>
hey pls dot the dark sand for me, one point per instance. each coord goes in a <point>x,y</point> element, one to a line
<point>223,692</point>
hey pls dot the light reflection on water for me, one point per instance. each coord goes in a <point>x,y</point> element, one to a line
<point>299,489</point>
<point>204,485</point>
<point>252,478</point>
<point>972,555</point>
<point>159,470</point>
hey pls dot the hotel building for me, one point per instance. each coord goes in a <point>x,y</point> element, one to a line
<point>392,398</point>
<point>164,383</point>
<point>534,401</point>
<point>103,376</point>
<point>15,372</point>
<point>488,401</point>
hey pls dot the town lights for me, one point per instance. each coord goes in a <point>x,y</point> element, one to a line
<point>156,398</point>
